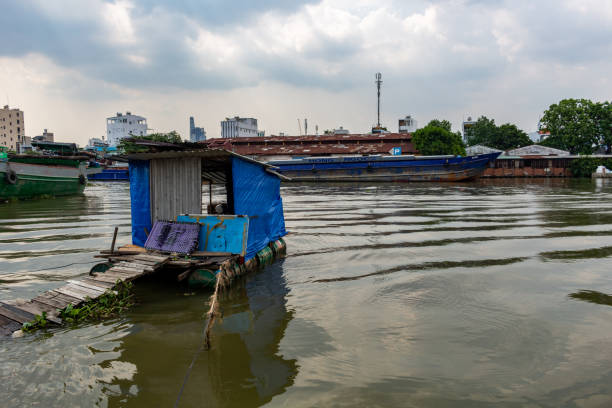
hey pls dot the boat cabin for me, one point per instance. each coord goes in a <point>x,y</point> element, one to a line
<point>178,186</point>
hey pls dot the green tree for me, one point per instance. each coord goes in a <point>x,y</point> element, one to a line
<point>444,124</point>
<point>433,140</point>
<point>508,136</point>
<point>573,125</point>
<point>486,132</point>
<point>482,132</point>
<point>602,111</point>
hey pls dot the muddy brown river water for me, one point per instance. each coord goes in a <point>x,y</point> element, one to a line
<point>482,294</point>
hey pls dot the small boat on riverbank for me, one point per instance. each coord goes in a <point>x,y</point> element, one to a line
<point>111,173</point>
<point>27,176</point>
<point>401,168</point>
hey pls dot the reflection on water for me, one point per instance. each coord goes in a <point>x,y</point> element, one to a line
<point>424,295</point>
<point>243,367</point>
<point>593,297</point>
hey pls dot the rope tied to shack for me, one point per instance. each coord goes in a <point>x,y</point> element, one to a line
<point>224,278</point>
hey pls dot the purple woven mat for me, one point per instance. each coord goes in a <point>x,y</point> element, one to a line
<point>169,236</point>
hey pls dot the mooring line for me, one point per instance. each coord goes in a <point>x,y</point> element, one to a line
<point>221,282</point>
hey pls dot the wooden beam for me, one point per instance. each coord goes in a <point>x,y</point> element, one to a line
<point>13,313</point>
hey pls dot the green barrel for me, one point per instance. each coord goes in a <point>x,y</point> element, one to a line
<point>279,247</point>
<point>265,256</point>
<point>100,268</point>
<point>252,264</point>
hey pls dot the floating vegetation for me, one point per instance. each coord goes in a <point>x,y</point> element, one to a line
<point>39,322</point>
<point>592,296</point>
<point>592,253</point>
<point>112,303</point>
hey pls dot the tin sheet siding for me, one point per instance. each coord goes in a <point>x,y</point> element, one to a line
<point>176,187</point>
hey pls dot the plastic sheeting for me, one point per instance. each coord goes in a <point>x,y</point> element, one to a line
<point>257,194</point>
<point>141,200</point>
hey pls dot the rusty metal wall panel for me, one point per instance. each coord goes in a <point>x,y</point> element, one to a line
<point>176,187</point>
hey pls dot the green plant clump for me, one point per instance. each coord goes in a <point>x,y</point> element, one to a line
<point>110,304</point>
<point>39,322</point>
<point>586,165</point>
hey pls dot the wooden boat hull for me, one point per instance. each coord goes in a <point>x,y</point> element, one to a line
<point>393,169</point>
<point>34,180</point>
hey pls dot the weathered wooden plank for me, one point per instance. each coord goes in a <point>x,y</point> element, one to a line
<point>126,268</point>
<point>138,267</point>
<point>89,286</point>
<point>13,313</point>
<point>93,292</point>
<point>80,296</point>
<point>57,299</point>
<point>52,302</point>
<point>106,278</point>
<point>144,262</point>
<point>8,326</point>
<point>38,308</point>
<point>100,284</point>
<point>149,257</point>
<point>35,310</point>
<point>81,289</point>
<point>124,273</point>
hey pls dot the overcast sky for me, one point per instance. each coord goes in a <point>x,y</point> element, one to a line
<point>69,64</point>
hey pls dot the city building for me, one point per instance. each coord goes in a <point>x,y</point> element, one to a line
<point>96,144</point>
<point>341,131</point>
<point>407,125</point>
<point>45,137</point>
<point>467,124</point>
<point>11,128</point>
<point>196,134</point>
<point>238,127</point>
<point>122,126</point>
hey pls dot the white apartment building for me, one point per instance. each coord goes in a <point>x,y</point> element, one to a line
<point>122,126</point>
<point>407,125</point>
<point>238,127</point>
<point>11,128</point>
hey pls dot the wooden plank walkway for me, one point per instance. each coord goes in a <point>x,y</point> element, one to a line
<point>76,291</point>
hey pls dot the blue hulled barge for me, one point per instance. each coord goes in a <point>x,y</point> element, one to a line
<point>401,168</point>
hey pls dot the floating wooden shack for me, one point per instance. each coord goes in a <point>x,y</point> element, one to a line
<point>172,235</point>
<point>170,186</point>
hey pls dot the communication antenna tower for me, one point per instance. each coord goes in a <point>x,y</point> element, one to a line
<point>378,82</point>
<point>306,127</point>
<point>300,126</point>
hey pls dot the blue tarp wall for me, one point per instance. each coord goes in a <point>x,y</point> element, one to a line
<point>257,194</point>
<point>141,200</point>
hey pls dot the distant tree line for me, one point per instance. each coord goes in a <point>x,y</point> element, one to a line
<point>579,126</point>
<point>504,137</point>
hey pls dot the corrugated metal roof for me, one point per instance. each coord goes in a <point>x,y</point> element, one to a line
<point>315,145</point>
<point>203,153</point>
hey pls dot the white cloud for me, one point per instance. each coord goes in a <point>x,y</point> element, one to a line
<point>442,58</point>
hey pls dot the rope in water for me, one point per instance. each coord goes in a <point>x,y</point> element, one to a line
<point>223,279</point>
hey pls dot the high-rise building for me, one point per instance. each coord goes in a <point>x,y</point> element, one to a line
<point>196,134</point>
<point>11,127</point>
<point>407,125</point>
<point>238,127</point>
<point>467,124</point>
<point>122,126</point>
